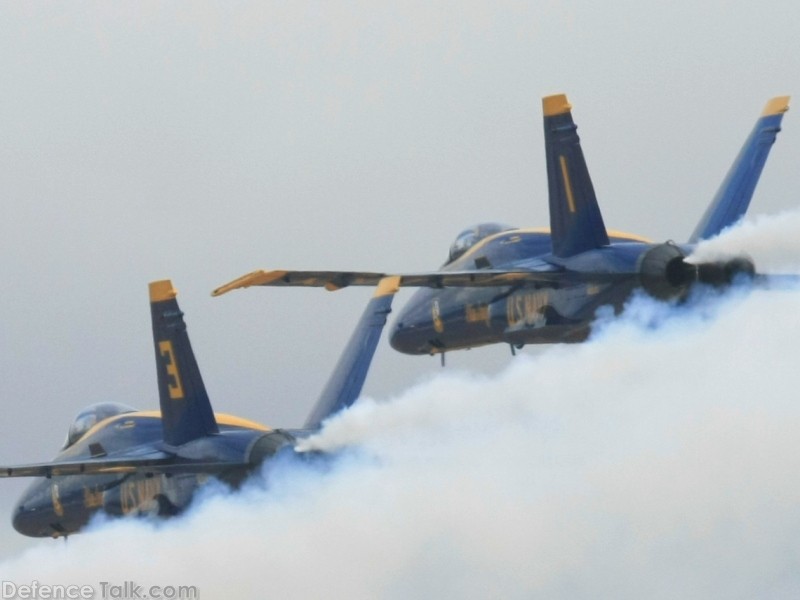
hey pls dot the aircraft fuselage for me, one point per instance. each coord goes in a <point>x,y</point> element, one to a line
<point>437,320</point>
<point>529,286</point>
<point>62,505</point>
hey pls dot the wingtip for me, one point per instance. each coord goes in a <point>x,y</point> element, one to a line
<point>259,277</point>
<point>162,290</point>
<point>555,105</point>
<point>239,282</point>
<point>776,106</point>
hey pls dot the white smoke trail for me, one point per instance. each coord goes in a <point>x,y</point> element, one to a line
<point>772,241</point>
<point>657,460</point>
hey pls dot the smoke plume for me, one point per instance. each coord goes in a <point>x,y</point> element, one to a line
<point>657,460</point>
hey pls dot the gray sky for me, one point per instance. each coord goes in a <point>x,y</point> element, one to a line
<point>199,141</point>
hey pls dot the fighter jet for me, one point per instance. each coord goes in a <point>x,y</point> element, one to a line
<point>502,284</point>
<point>122,461</point>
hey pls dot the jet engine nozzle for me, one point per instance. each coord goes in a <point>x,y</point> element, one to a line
<point>268,445</point>
<point>723,273</point>
<point>664,272</point>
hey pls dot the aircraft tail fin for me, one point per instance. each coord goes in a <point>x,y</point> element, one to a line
<point>576,224</point>
<point>345,383</point>
<point>186,412</point>
<point>734,194</point>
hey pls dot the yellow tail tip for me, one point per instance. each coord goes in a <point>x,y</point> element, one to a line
<point>555,105</point>
<point>162,290</point>
<point>776,106</point>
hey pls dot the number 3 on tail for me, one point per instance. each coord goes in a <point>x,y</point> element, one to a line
<point>175,387</point>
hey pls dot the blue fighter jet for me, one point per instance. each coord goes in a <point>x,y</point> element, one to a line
<point>502,284</point>
<point>122,461</point>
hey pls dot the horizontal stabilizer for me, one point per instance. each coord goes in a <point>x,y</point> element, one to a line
<point>733,197</point>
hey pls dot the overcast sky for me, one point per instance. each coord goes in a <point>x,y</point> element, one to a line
<point>200,141</point>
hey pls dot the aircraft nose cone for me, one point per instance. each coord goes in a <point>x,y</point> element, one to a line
<point>31,516</point>
<point>409,336</point>
<point>400,338</point>
<point>414,329</point>
<point>22,520</point>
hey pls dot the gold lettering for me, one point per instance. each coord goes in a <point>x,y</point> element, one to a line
<point>137,493</point>
<point>593,289</point>
<point>436,314</point>
<point>92,498</point>
<point>58,508</point>
<point>127,500</point>
<point>175,388</point>
<point>478,313</point>
<point>149,489</point>
<point>527,308</point>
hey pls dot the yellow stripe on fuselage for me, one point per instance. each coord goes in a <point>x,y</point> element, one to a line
<point>628,237</point>
<point>612,233</point>
<point>223,419</point>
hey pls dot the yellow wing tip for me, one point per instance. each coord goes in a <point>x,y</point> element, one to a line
<point>776,106</point>
<point>259,277</point>
<point>162,290</point>
<point>555,105</point>
<point>239,282</point>
<point>223,289</point>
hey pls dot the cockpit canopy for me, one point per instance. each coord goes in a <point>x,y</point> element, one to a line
<point>91,415</point>
<point>469,237</point>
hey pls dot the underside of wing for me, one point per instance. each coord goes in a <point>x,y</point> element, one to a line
<point>330,280</point>
<point>103,467</point>
<point>334,280</point>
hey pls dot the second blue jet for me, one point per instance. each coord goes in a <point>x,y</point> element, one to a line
<point>526,286</point>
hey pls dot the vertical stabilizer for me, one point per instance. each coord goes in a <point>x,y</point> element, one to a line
<point>347,379</point>
<point>186,412</point>
<point>576,224</point>
<point>734,195</point>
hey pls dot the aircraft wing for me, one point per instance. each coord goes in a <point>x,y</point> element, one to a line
<point>335,280</point>
<point>113,466</point>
